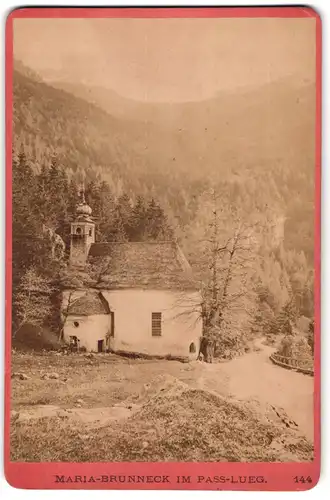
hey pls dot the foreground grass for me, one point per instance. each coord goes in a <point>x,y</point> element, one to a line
<point>173,422</point>
<point>192,426</point>
<point>103,380</point>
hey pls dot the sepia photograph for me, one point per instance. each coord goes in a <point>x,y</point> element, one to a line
<point>163,208</point>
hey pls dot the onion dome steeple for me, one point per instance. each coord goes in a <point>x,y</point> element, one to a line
<point>83,210</point>
<point>82,232</point>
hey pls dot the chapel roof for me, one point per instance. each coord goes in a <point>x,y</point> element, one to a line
<point>89,304</point>
<point>153,265</point>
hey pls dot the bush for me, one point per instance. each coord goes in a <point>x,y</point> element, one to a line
<point>296,346</point>
<point>35,338</point>
<point>230,345</point>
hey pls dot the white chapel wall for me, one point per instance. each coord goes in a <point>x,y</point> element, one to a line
<point>181,325</point>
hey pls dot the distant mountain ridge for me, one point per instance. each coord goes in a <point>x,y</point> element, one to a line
<point>26,71</point>
<point>121,106</point>
<point>273,123</point>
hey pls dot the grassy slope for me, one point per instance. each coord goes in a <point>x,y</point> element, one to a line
<point>174,422</point>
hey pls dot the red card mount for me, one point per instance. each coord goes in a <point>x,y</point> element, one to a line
<point>148,386</point>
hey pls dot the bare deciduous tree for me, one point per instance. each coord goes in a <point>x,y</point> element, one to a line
<point>32,300</point>
<point>98,269</point>
<point>72,283</point>
<point>230,249</point>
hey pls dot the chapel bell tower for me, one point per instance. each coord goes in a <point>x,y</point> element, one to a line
<point>82,233</point>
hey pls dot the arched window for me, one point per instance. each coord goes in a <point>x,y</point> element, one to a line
<point>78,230</point>
<point>90,232</point>
<point>76,323</point>
<point>192,348</point>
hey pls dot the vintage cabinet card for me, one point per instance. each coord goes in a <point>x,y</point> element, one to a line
<point>163,248</point>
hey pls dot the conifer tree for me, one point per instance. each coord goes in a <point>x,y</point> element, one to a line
<point>58,197</point>
<point>42,181</point>
<point>157,227</point>
<point>124,214</point>
<point>105,213</point>
<point>25,225</point>
<point>116,232</point>
<point>138,220</point>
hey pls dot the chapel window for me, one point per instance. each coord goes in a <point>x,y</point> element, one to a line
<point>156,324</point>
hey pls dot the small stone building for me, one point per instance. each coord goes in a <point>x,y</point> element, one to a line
<point>144,301</point>
<point>88,323</point>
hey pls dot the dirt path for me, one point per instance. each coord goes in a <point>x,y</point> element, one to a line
<point>254,376</point>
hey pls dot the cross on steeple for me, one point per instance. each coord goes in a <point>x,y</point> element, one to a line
<point>82,193</point>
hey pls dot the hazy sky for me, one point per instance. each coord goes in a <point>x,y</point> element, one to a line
<point>167,59</point>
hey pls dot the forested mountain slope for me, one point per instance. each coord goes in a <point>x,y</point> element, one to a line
<point>261,140</point>
<point>233,130</point>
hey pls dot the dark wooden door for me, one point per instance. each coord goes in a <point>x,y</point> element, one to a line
<point>100,345</point>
